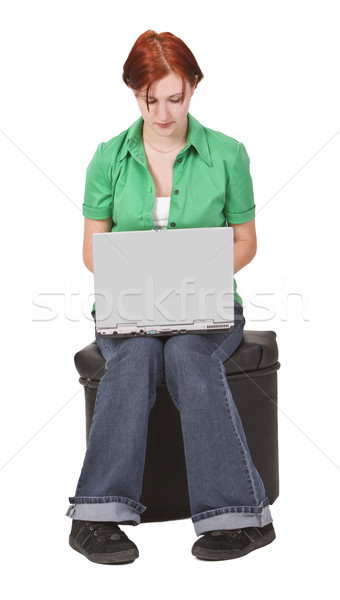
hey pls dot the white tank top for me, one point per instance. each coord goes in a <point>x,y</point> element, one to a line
<point>160,212</point>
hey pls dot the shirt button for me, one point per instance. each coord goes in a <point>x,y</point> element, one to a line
<point>173,224</point>
<point>180,160</point>
<point>176,192</point>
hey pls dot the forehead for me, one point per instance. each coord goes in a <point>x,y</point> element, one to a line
<point>170,85</point>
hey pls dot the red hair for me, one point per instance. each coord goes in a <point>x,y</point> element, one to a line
<point>153,56</point>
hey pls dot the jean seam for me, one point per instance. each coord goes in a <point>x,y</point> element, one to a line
<point>229,339</point>
<point>228,399</point>
<point>107,347</point>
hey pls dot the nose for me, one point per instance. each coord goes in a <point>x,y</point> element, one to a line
<point>162,112</point>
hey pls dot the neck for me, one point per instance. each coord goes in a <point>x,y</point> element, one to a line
<point>165,142</point>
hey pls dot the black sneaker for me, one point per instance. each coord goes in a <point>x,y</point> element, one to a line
<point>232,543</point>
<point>102,542</point>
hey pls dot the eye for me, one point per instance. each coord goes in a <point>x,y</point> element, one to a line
<point>175,101</point>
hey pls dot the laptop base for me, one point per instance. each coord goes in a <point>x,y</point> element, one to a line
<point>134,331</point>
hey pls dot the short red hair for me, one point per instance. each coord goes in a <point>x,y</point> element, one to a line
<point>153,56</point>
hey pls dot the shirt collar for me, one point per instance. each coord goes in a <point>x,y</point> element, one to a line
<point>133,140</point>
<point>196,137</point>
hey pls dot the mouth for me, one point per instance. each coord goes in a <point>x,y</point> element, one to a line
<point>164,125</point>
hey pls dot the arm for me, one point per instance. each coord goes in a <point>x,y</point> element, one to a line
<point>245,244</point>
<point>93,226</point>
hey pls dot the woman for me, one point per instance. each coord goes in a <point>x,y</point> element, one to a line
<point>169,171</point>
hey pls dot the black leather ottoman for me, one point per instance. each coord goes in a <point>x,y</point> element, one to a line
<point>252,376</point>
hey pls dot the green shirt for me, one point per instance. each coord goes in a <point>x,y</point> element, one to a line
<point>212,185</point>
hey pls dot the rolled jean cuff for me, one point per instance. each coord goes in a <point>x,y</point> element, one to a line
<point>235,517</point>
<point>105,508</point>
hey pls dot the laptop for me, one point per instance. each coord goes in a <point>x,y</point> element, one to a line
<point>163,282</point>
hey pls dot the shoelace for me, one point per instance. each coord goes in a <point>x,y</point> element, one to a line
<point>248,532</point>
<point>228,532</point>
<point>105,530</point>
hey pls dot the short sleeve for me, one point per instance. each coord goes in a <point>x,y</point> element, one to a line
<point>239,206</point>
<point>98,189</point>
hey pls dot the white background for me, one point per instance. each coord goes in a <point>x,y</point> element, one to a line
<point>271,81</point>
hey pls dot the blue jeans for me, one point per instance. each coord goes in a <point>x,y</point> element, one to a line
<point>225,489</point>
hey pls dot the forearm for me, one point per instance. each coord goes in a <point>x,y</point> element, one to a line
<point>243,254</point>
<point>92,226</point>
<point>88,259</point>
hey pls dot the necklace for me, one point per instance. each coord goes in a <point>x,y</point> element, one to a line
<point>163,151</point>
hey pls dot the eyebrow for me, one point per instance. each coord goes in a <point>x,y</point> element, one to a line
<point>172,96</point>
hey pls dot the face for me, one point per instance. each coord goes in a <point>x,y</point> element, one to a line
<point>166,115</point>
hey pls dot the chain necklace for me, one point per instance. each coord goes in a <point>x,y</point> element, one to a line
<point>163,151</point>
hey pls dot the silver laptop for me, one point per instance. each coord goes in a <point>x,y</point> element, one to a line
<point>163,282</point>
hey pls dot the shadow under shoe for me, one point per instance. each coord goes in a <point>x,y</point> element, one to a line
<point>232,543</point>
<point>102,542</point>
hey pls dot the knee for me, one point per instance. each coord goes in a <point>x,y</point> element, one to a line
<point>172,350</point>
<point>179,355</point>
<point>147,352</point>
<point>138,363</point>
<point>180,349</point>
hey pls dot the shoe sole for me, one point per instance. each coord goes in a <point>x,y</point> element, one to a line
<point>116,558</point>
<point>207,554</point>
